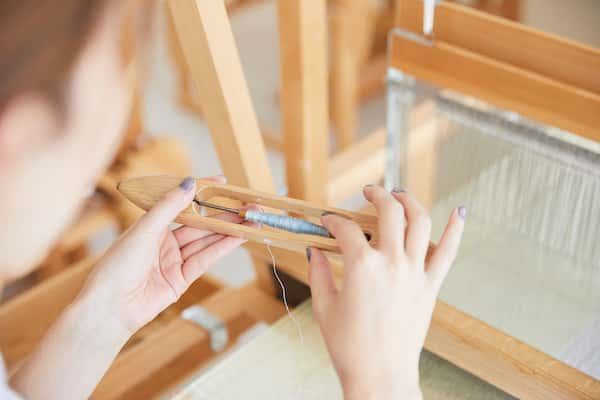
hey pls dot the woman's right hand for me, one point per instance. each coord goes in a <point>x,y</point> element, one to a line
<point>375,324</point>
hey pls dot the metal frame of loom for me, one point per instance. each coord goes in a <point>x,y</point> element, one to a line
<point>491,59</point>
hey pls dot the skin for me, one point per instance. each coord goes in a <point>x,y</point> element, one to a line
<point>50,160</point>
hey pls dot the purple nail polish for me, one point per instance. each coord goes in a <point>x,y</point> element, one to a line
<point>187,184</point>
<point>462,212</point>
<point>308,253</point>
<point>398,190</point>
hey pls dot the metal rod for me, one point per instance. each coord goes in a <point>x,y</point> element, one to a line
<point>217,207</point>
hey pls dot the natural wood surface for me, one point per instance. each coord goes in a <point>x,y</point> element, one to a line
<point>500,84</point>
<point>209,49</point>
<point>25,318</point>
<point>304,97</point>
<point>179,348</point>
<point>492,355</point>
<point>554,57</point>
<point>560,86</point>
<point>145,191</point>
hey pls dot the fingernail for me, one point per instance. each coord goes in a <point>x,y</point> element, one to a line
<point>187,184</point>
<point>398,190</point>
<point>308,253</point>
<point>462,212</point>
<point>369,185</point>
<point>326,213</point>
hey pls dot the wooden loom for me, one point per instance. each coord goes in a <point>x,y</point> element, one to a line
<point>171,348</point>
<point>471,344</point>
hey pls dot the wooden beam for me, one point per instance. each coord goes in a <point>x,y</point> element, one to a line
<point>25,318</point>
<point>503,85</point>
<point>209,49</point>
<point>510,42</point>
<point>352,30</point>
<point>304,104</point>
<point>491,355</point>
<point>179,348</point>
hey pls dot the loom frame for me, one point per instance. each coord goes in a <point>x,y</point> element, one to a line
<point>465,341</point>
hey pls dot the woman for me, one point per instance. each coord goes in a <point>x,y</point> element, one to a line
<point>63,101</point>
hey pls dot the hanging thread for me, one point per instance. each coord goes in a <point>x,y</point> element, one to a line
<point>283,293</point>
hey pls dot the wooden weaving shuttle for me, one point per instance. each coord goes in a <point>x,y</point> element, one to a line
<point>146,191</point>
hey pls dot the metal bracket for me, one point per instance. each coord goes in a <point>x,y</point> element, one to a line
<point>217,330</point>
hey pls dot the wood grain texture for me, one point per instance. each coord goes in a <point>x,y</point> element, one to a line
<point>304,98</point>
<point>510,42</point>
<point>179,348</point>
<point>145,191</point>
<point>498,83</point>
<point>209,49</point>
<point>494,356</point>
<point>25,319</point>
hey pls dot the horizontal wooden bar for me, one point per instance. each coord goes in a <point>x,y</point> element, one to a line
<point>179,348</point>
<point>505,86</point>
<point>507,41</point>
<point>491,355</point>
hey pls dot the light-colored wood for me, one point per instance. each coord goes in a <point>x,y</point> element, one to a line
<point>177,349</point>
<point>360,164</point>
<point>145,191</point>
<point>500,84</point>
<point>352,29</point>
<point>516,44</point>
<point>25,319</point>
<point>523,89</point>
<point>304,97</point>
<point>209,49</point>
<point>476,347</point>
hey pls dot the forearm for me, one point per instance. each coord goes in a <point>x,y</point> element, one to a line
<point>74,354</point>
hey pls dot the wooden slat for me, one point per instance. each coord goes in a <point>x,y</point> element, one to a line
<point>209,49</point>
<point>303,66</point>
<point>500,84</point>
<point>476,347</point>
<point>507,41</point>
<point>25,319</point>
<point>352,30</point>
<point>179,348</point>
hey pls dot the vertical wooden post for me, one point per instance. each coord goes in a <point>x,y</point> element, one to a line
<point>304,97</point>
<point>209,49</point>
<point>352,28</point>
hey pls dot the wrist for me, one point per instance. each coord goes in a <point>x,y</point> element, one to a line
<point>93,314</point>
<point>400,390</point>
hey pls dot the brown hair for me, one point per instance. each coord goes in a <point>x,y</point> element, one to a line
<point>40,41</point>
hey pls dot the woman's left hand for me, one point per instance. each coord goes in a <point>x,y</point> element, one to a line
<point>151,266</point>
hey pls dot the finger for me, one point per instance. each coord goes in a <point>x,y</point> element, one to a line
<point>168,207</point>
<point>187,234</point>
<point>216,178</point>
<point>391,218</point>
<point>348,235</point>
<point>320,278</point>
<point>197,264</point>
<point>445,253</point>
<point>418,230</point>
<point>199,244</point>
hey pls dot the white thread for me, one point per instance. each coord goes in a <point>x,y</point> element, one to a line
<point>283,294</point>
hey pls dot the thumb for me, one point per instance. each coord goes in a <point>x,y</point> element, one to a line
<point>158,218</point>
<point>322,286</point>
